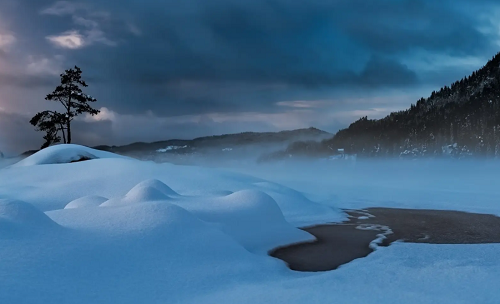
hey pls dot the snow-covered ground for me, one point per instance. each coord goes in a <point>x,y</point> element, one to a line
<point>118,230</point>
<point>5,162</point>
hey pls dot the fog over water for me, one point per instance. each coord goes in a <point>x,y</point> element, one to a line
<point>466,185</point>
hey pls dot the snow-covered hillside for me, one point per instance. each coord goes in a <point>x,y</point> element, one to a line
<point>116,230</point>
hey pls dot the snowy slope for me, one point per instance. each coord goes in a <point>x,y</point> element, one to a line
<point>117,230</point>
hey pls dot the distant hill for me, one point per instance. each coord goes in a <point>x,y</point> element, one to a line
<point>460,120</point>
<point>226,141</point>
<point>227,147</point>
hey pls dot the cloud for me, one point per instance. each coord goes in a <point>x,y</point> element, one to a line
<point>226,55</point>
<point>44,65</point>
<point>304,104</point>
<point>74,40</point>
<point>6,40</point>
<point>83,17</point>
<point>16,134</point>
<point>385,72</point>
<point>22,81</point>
<point>105,114</point>
<point>70,40</point>
<point>134,29</point>
<point>62,8</point>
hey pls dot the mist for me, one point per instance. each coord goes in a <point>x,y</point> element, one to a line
<point>470,185</point>
<point>357,183</point>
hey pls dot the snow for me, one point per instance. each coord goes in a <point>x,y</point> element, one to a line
<point>5,162</point>
<point>252,218</point>
<point>61,154</point>
<point>401,273</point>
<point>118,230</point>
<point>139,194</point>
<point>380,237</point>
<point>86,202</point>
<point>18,215</point>
<point>170,148</point>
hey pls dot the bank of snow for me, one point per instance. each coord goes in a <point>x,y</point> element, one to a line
<point>118,230</point>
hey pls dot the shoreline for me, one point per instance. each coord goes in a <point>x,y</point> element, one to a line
<point>341,243</point>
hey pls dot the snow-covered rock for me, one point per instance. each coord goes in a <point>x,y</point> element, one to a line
<point>62,154</point>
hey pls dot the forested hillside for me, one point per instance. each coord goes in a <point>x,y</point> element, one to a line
<point>459,120</point>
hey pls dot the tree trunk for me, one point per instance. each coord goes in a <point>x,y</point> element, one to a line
<point>68,123</point>
<point>63,134</point>
<point>68,126</point>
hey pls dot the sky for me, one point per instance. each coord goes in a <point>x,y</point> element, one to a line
<point>183,69</point>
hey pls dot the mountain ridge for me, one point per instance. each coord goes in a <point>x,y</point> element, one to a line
<point>243,138</point>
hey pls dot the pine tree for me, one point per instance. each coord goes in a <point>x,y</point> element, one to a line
<point>70,95</point>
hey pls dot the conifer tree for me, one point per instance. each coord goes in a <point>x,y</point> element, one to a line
<point>74,102</point>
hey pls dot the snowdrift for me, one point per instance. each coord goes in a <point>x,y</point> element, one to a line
<point>146,191</point>
<point>251,217</point>
<point>86,202</point>
<point>18,216</point>
<point>62,154</point>
<point>126,181</point>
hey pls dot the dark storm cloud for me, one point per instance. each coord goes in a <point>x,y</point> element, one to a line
<point>302,45</point>
<point>197,57</point>
<point>11,126</point>
<point>379,72</point>
<point>396,26</point>
<point>25,81</point>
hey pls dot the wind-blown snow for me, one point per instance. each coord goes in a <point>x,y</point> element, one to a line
<point>118,230</point>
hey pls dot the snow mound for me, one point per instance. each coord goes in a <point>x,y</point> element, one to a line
<point>254,219</point>
<point>158,185</point>
<point>63,154</point>
<point>252,204</point>
<point>156,219</point>
<point>147,191</point>
<point>296,206</point>
<point>145,194</point>
<point>18,214</point>
<point>86,202</point>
